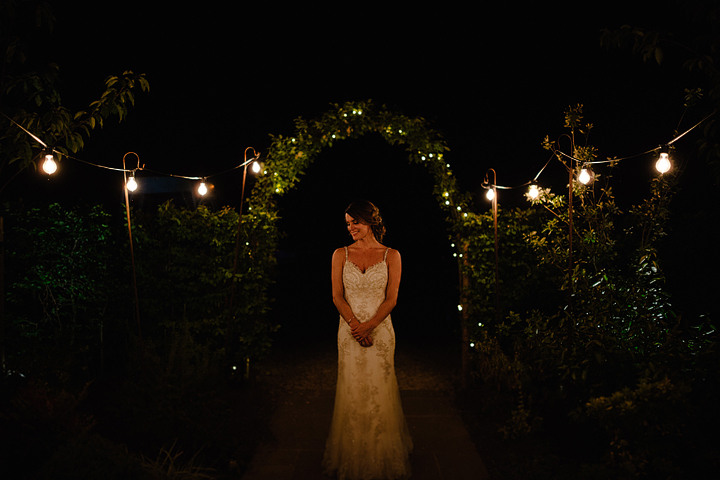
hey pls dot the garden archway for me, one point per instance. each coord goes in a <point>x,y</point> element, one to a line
<point>289,157</point>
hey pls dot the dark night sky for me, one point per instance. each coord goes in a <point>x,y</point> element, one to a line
<point>494,80</point>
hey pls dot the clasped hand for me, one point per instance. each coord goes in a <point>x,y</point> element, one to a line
<point>361,332</point>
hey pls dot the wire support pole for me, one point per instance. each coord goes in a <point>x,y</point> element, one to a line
<point>495,228</point>
<point>229,329</point>
<point>132,251</point>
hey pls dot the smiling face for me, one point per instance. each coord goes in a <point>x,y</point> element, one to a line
<point>357,229</point>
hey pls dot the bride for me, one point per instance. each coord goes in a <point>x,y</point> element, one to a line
<point>369,437</point>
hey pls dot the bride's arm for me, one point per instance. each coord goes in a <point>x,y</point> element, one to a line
<point>338,293</point>
<point>394,265</point>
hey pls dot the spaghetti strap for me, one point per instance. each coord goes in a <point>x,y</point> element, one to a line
<point>346,253</point>
<point>385,257</point>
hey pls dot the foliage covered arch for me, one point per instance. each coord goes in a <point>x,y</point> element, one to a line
<point>289,157</point>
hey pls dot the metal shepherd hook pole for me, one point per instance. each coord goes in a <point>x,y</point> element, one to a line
<point>228,333</point>
<point>132,252</point>
<point>497,262</point>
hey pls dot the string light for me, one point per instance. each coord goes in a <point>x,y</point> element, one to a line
<point>663,164</point>
<point>586,176</point>
<point>49,165</point>
<point>202,189</point>
<point>132,184</point>
<point>533,192</point>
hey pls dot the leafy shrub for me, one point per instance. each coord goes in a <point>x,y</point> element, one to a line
<point>61,288</point>
<point>600,329</point>
<point>185,261</point>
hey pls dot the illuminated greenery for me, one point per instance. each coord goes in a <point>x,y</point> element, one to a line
<point>580,334</point>
<point>288,157</point>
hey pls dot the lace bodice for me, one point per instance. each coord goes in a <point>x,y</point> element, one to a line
<point>365,291</point>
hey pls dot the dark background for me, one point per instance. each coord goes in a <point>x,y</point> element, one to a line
<point>494,78</point>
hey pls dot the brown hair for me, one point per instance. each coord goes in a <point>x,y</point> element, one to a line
<point>367,213</point>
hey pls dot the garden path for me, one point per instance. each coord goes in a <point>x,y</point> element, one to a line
<point>301,376</point>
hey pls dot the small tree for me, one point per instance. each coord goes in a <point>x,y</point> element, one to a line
<point>33,119</point>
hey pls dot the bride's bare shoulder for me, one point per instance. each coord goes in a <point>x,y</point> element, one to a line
<point>393,254</point>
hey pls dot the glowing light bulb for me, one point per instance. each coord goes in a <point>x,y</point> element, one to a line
<point>132,184</point>
<point>490,194</point>
<point>202,189</point>
<point>584,176</point>
<point>256,167</point>
<point>459,308</point>
<point>663,164</point>
<point>49,165</point>
<point>533,192</point>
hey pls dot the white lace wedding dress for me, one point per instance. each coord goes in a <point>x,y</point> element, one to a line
<point>369,437</point>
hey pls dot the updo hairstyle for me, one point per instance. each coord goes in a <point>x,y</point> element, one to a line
<point>367,213</point>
